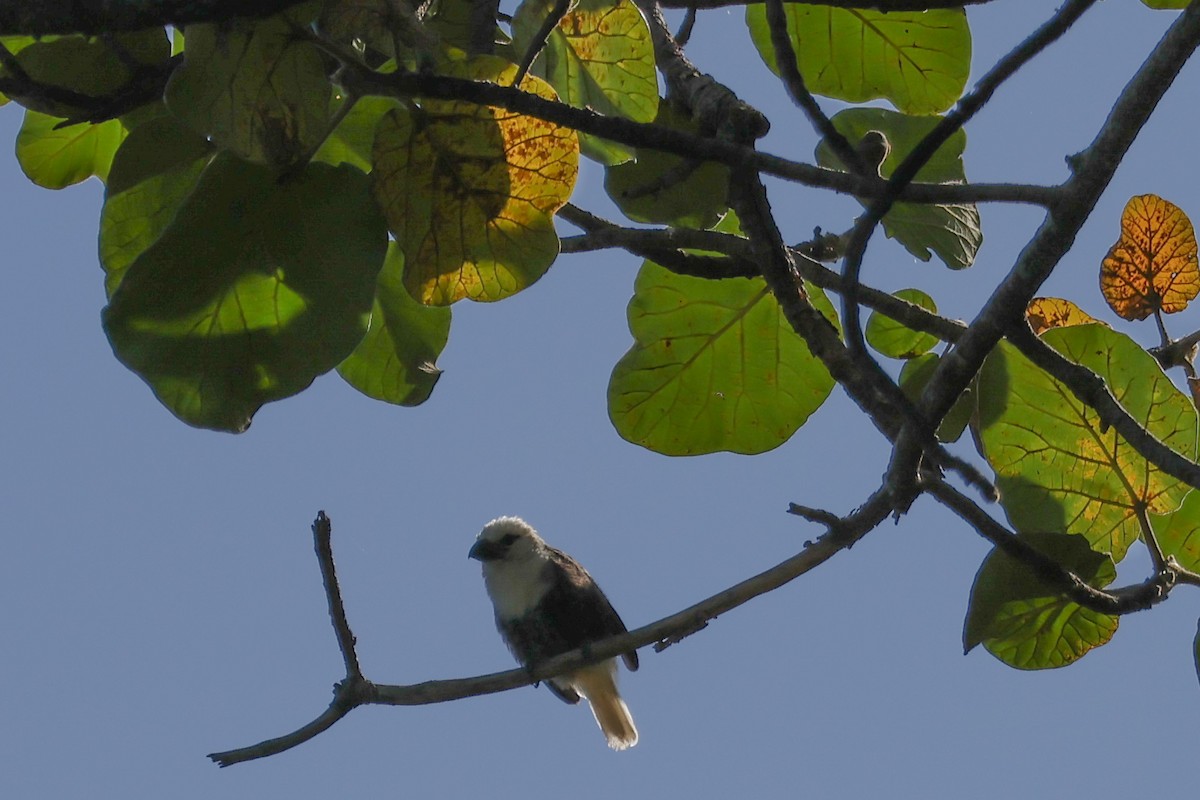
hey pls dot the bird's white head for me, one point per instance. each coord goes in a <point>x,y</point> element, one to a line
<point>509,539</point>
<point>513,558</point>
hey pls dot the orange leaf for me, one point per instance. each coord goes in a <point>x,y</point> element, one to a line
<point>1045,313</point>
<point>1153,266</point>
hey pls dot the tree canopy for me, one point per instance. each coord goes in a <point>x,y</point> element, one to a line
<point>309,187</point>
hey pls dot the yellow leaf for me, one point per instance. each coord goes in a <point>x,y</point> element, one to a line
<point>469,191</point>
<point>1045,313</point>
<point>1153,266</point>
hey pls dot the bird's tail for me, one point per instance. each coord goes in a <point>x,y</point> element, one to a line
<point>598,683</point>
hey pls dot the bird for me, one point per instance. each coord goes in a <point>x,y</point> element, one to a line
<point>546,604</point>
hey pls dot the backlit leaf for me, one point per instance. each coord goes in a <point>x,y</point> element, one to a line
<point>1045,313</point>
<point>915,376</point>
<point>1153,266</point>
<point>1178,533</point>
<point>667,189</point>
<point>469,191</point>
<point>255,88</point>
<point>155,169</point>
<point>396,360</point>
<point>54,157</point>
<point>1057,467</point>
<point>952,230</point>
<point>919,60</point>
<point>255,288</point>
<point>353,140</point>
<point>599,57</point>
<point>1026,623</point>
<point>714,366</point>
<point>91,67</point>
<point>893,339</point>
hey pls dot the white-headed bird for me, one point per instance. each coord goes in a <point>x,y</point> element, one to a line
<point>547,604</point>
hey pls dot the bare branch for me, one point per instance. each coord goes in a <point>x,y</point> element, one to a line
<point>538,43</point>
<point>356,691</point>
<point>785,62</point>
<point>349,693</point>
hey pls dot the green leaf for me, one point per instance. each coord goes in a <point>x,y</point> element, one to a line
<point>714,366</point>
<point>396,360</point>
<point>599,57</point>
<point>254,88</point>
<point>1024,622</point>
<point>1167,4</point>
<point>952,231</point>
<point>255,288</point>
<point>351,142</point>
<point>1178,533</point>
<point>93,68</point>
<point>895,340</point>
<point>919,60</point>
<point>469,191</point>
<point>450,20</point>
<point>665,188</point>
<point>156,167</point>
<point>1056,466</point>
<point>914,377</point>
<point>55,158</point>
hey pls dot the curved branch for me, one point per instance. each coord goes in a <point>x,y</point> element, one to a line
<point>356,691</point>
<point>1125,600</point>
<point>789,71</point>
<point>362,81</point>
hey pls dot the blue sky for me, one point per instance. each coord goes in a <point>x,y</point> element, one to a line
<point>163,601</point>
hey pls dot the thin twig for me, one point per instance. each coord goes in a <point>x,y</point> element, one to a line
<point>540,38</point>
<point>684,33</point>
<point>322,529</point>
<point>350,693</point>
<point>789,71</point>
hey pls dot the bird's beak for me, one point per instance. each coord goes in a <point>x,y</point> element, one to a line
<point>484,550</point>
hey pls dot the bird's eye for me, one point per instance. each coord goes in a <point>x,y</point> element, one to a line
<point>508,539</point>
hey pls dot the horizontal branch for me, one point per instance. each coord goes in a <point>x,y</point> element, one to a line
<point>364,82</point>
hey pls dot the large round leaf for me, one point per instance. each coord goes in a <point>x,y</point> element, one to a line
<point>1029,625</point>
<point>255,288</point>
<point>919,60</point>
<point>1057,467</point>
<point>714,366</point>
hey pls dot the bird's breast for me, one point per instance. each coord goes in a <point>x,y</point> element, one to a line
<point>515,588</point>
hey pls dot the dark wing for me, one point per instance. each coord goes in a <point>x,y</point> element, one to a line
<point>572,613</point>
<point>579,608</point>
